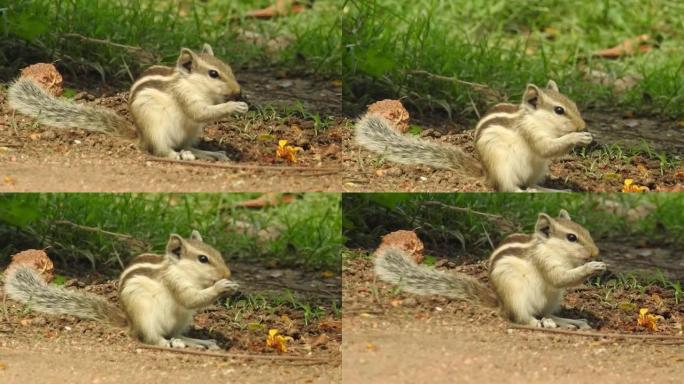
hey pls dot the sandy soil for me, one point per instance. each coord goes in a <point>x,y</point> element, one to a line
<point>37,158</point>
<point>365,171</point>
<point>61,349</point>
<point>400,338</point>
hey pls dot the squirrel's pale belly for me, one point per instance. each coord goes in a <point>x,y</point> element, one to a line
<point>142,293</point>
<point>518,282</point>
<point>505,153</point>
<point>161,118</point>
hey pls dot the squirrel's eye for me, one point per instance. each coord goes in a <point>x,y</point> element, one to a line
<point>203,259</point>
<point>571,237</point>
<point>213,73</point>
<point>559,110</point>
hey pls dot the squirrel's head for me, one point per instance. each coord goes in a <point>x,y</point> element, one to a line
<point>209,74</point>
<point>203,264</point>
<point>553,108</point>
<point>565,238</point>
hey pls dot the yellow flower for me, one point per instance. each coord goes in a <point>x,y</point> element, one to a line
<point>647,320</point>
<point>629,186</point>
<point>276,341</point>
<point>287,152</point>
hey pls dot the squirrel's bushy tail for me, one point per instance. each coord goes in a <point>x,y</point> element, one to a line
<point>374,133</point>
<point>393,266</point>
<point>27,97</point>
<point>26,286</point>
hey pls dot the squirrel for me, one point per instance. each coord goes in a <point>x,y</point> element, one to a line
<point>515,143</point>
<point>528,273</point>
<point>158,294</point>
<point>169,106</point>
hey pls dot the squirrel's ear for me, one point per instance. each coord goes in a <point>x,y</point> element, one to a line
<point>563,214</point>
<point>195,235</point>
<point>543,226</point>
<point>531,96</point>
<point>174,247</point>
<point>185,61</point>
<point>206,48</point>
<point>552,86</point>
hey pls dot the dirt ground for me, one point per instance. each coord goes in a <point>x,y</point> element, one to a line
<point>365,171</point>
<point>394,337</point>
<point>61,349</point>
<point>37,158</point>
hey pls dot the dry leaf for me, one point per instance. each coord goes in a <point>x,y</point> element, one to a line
<point>371,347</point>
<point>321,340</point>
<point>393,111</point>
<point>628,47</point>
<point>9,180</point>
<point>46,75</point>
<point>330,325</point>
<point>33,258</point>
<point>276,341</point>
<point>269,199</point>
<point>642,169</point>
<point>404,240</point>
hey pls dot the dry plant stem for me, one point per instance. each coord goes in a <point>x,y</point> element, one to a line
<point>499,218</point>
<point>93,229</point>
<point>4,307</point>
<point>315,171</point>
<point>421,72</point>
<point>315,360</point>
<point>598,334</point>
<point>100,41</point>
<point>10,145</point>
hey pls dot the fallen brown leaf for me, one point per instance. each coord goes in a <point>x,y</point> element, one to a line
<point>628,47</point>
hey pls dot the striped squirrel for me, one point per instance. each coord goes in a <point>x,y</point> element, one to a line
<point>169,106</point>
<point>515,143</point>
<point>528,273</point>
<point>158,294</point>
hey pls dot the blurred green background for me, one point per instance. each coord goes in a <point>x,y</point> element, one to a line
<point>505,44</point>
<point>472,224</point>
<point>65,32</point>
<point>103,231</point>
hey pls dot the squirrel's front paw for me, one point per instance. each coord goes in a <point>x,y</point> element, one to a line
<point>239,107</point>
<point>582,138</point>
<point>596,266</point>
<point>225,285</point>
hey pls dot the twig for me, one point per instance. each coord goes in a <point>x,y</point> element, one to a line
<point>106,42</point>
<point>316,360</point>
<point>506,222</point>
<point>315,171</point>
<point>447,78</point>
<point>489,239</point>
<point>4,306</point>
<point>676,342</point>
<point>10,145</point>
<point>598,334</point>
<point>93,229</point>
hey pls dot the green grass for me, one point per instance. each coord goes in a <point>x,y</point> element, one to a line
<point>39,30</point>
<point>312,311</point>
<point>614,153</point>
<point>310,227</point>
<point>638,282</point>
<point>505,44</point>
<point>490,217</point>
